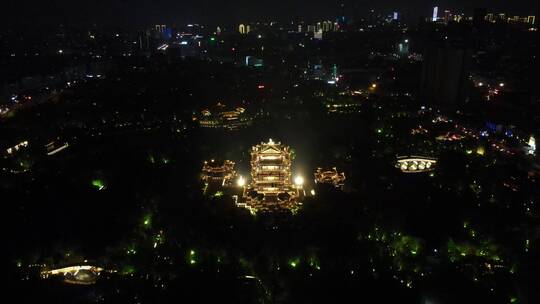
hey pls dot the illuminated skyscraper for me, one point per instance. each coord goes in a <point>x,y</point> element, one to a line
<point>335,75</point>
<point>318,35</point>
<point>531,149</point>
<point>244,29</point>
<point>160,31</point>
<point>435,14</point>
<point>160,28</point>
<point>327,26</point>
<point>403,48</point>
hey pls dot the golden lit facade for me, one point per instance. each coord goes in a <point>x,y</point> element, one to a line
<point>332,177</point>
<point>272,187</point>
<point>218,173</point>
<point>271,168</point>
<point>220,117</point>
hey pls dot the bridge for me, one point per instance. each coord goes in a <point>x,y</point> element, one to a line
<point>415,164</point>
<point>80,274</point>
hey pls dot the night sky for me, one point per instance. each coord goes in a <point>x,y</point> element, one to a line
<point>144,12</point>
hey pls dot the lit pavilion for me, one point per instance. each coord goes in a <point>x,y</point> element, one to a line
<point>332,177</point>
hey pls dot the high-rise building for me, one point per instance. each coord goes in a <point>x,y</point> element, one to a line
<point>531,20</point>
<point>403,48</point>
<point>160,31</point>
<point>444,74</point>
<point>327,26</point>
<point>342,19</point>
<point>531,149</point>
<point>318,35</point>
<point>244,29</point>
<point>160,28</point>
<point>435,14</point>
<point>144,40</point>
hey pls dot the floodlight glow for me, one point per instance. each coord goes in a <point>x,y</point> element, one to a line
<point>241,182</point>
<point>299,180</point>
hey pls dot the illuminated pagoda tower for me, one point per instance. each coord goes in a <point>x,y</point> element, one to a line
<point>331,177</point>
<point>217,174</point>
<point>271,187</point>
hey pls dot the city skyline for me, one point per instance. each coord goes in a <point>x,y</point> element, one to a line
<point>259,152</point>
<point>140,13</point>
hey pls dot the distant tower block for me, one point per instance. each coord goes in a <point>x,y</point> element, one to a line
<point>160,28</point>
<point>244,29</point>
<point>531,149</point>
